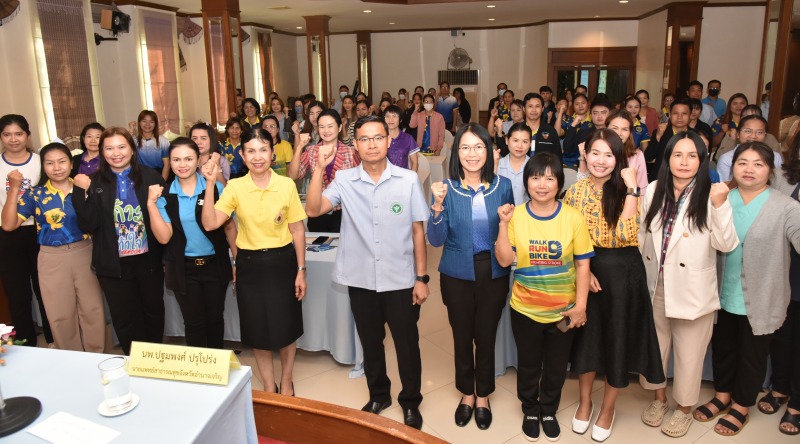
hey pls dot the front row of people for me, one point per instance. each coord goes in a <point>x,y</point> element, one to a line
<point>602,282</point>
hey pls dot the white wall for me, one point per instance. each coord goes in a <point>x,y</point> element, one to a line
<point>593,34</point>
<point>730,49</point>
<point>343,62</point>
<point>650,56</point>
<point>299,78</point>
<point>516,56</point>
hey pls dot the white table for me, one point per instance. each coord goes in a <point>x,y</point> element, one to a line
<point>327,320</point>
<point>168,411</point>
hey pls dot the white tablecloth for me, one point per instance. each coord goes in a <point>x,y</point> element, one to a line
<point>168,411</point>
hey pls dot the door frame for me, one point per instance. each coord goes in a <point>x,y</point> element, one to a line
<point>623,57</point>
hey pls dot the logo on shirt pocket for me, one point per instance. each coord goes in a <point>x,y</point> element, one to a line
<point>396,208</point>
<point>280,217</point>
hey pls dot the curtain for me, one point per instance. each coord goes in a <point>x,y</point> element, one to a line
<point>217,57</point>
<point>163,75</point>
<point>265,56</point>
<point>67,60</point>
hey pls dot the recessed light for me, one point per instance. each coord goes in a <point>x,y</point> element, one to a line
<point>597,16</point>
<point>367,11</point>
<point>623,1</point>
<point>299,27</point>
<point>391,23</point>
<point>490,6</point>
<point>491,20</point>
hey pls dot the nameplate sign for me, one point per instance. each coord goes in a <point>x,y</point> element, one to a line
<point>180,363</point>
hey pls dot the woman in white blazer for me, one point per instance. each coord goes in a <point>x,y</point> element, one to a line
<point>687,221</point>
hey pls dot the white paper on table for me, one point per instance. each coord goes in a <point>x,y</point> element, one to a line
<point>63,428</point>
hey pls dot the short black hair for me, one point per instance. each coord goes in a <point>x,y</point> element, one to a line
<point>456,170</point>
<point>253,102</point>
<point>394,109</point>
<point>582,86</point>
<point>749,118</point>
<point>693,83</point>
<point>643,91</point>
<point>91,126</point>
<point>714,81</point>
<point>682,101</point>
<point>695,104</point>
<point>330,112</point>
<point>531,96</point>
<point>545,89</point>
<point>520,126</point>
<point>369,118</point>
<point>444,82</point>
<point>538,166</point>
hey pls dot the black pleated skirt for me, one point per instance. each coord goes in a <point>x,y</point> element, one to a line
<point>619,337</point>
<point>270,315</point>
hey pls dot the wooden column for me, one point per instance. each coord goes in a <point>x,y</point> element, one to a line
<point>221,18</point>
<point>683,14</point>
<point>317,29</point>
<point>364,39</point>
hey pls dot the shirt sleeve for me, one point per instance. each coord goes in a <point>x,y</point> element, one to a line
<point>512,239</point>
<point>333,193</point>
<point>582,242</point>
<point>228,201</point>
<point>161,204</point>
<point>716,128</point>
<point>226,167</point>
<point>296,212</point>
<point>26,205</point>
<point>724,166</point>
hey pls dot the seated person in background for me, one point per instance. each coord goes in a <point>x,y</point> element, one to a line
<point>402,147</point>
<point>695,122</point>
<point>752,128</point>
<point>512,166</point>
<point>579,119</point>
<point>695,91</point>
<point>574,136</point>
<point>730,141</point>
<point>504,107</point>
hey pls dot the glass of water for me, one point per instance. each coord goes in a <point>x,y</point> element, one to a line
<point>116,383</point>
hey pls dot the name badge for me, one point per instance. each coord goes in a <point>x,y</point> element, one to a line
<point>181,363</point>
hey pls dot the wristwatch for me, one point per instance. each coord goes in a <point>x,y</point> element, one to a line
<point>424,278</point>
<point>635,191</point>
<point>301,268</point>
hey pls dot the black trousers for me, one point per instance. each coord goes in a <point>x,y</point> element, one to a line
<point>739,358</point>
<point>19,252</point>
<point>371,311</point>
<point>326,223</point>
<point>474,309</point>
<point>543,353</point>
<point>203,304</point>
<point>136,301</point>
<point>785,354</point>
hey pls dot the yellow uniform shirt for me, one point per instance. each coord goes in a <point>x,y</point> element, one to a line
<point>281,157</point>
<point>264,215</point>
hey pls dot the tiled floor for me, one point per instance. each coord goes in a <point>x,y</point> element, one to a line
<point>318,376</point>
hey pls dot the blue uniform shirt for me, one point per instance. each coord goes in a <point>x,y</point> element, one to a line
<point>56,221</point>
<point>197,244</point>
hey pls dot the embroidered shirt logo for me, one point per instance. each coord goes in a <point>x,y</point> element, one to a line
<point>279,218</point>
<point>396,208</point>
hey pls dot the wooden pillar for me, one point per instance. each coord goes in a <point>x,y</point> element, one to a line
<point>364,59</point>
<point>317,45</point>
<point>222,35</point>
<point>682,14</point>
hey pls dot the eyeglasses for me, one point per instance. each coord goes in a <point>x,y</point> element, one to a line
<point>365,140</point>
<point>750,132</point>
<point>270,126</point>
<point>478,149</point>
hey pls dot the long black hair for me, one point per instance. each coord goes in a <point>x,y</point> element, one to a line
<point>614,190</point>
<point>104,170</point>
<point>664,197</point>
<point>456,170</point>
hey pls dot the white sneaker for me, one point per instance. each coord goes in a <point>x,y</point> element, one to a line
<point>600,434</point>
<point>580,427</point>
<point>653,415</point>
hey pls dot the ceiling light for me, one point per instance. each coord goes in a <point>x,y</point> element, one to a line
<point>299,27</point>
<point>391,23</point>
<point>597,16</point>
<point>491,20</point>
<point>490,6</point>
<point>367,11</point>
<point>623,1</point>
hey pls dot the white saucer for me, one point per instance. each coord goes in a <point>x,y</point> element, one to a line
<point>103,410</point>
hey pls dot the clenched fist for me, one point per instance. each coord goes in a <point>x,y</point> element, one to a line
<point>505,212</point>
<point>154,192</point>
<point>82,181</point>
<point>629,177</point>
<point>719,194</point>
<point>15,180</point>
<point>439,191</point>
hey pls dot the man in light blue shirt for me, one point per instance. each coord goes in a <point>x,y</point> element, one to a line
<point>713,99</point>
<point>447,106</point>
<point>382,244</point>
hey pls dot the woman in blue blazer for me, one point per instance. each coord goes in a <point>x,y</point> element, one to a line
<point>474,286</point>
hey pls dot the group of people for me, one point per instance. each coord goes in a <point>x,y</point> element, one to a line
<point>653,251</point>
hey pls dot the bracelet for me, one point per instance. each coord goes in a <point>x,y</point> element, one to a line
<point>438,210</point>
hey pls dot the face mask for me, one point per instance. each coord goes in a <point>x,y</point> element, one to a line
<point>500,92</point>
<point>299,110</point>
<point>402,97</point>
<point>428,106</point>
<point>343,94</point>
<point>713,92</point>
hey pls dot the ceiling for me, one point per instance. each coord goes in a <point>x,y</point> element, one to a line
<point>348,15</point>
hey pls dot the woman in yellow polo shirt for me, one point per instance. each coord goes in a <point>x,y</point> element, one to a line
<point>270,263</point>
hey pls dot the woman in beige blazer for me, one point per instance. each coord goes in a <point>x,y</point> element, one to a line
<point>687,221</point>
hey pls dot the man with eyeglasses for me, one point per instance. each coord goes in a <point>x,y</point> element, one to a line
<point>382,259</point>
<point>752,128</point>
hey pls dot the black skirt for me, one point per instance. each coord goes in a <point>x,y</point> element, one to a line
<point>270,315</point>
<point>619,337</point>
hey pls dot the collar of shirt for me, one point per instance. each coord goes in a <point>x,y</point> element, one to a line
<point>363,176</point>
<point>53,190</point>
<point>251,186</point>
<point>176,187</point>
<point>484,186</point>
<point>228,142</point>
<point>122,175</point>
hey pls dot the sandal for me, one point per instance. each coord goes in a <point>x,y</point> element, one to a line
<point>793,419</point>
<point>709,416</point>
<point>743,419</point>
<point>773,401</point>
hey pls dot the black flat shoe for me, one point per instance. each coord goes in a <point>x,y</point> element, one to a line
<point>412,418</point>
<point>376,407</point>
<point>463,414</point>
<point>483,417</point>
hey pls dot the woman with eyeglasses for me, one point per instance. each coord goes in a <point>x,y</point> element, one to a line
<point>465,221</point>
<point>281,150</point>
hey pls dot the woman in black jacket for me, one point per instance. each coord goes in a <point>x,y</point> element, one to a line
<point>127,259</point>
<point>197,265</point>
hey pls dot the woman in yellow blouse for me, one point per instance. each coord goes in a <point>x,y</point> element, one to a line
<point>270,262</point>
<point>620,336</point>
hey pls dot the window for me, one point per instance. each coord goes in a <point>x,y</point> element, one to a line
<point>66,81</point>
<point>161,76</point>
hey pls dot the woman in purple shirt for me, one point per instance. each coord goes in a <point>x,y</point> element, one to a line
<point>88,161</point>
<point>403,148</point>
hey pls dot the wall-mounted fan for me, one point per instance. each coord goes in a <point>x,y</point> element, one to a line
<point>458,59</point>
